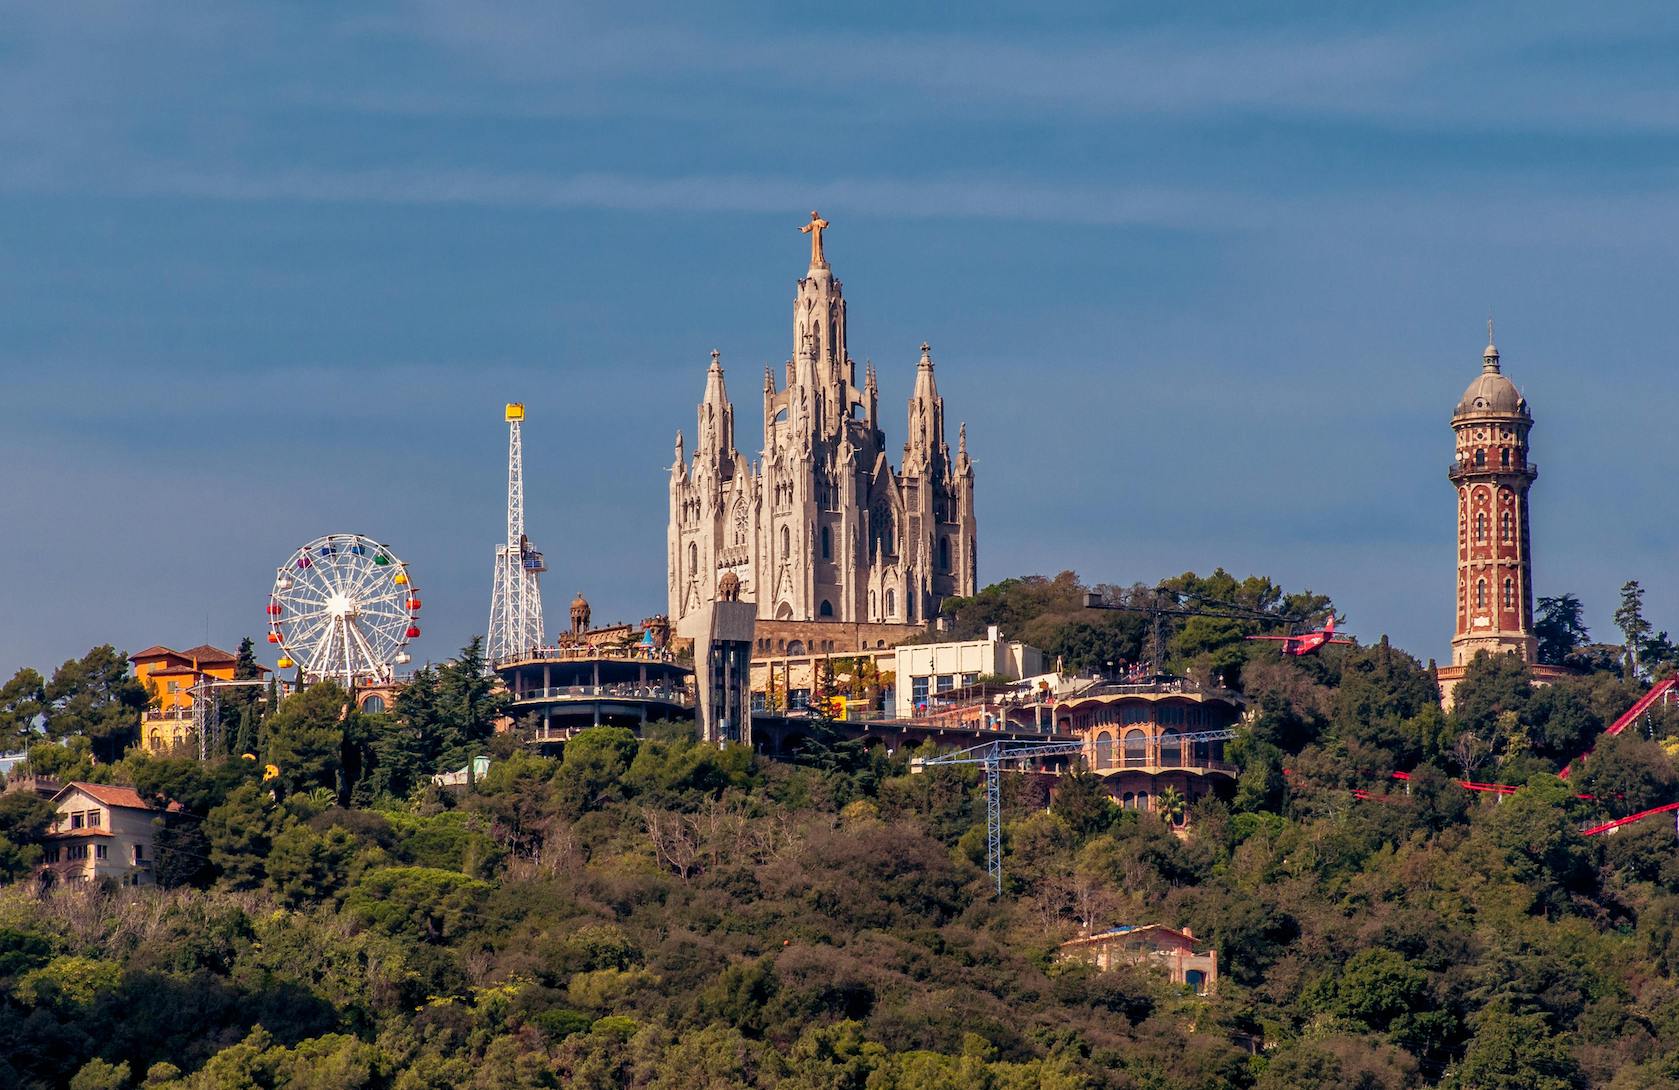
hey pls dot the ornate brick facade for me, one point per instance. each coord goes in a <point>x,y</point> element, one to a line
<point>1492,475</point>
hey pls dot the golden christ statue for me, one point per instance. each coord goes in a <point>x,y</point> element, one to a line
<point>814,229</point>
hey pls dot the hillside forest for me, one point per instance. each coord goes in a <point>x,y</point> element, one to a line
<point>654,913</point>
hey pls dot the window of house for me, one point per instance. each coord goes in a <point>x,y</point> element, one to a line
<point>1133,713</point>
<point>796,647</point>
<point>139,854</point>
<point>918,690</point>
<point>78,819</point>
<point>174,686</point>
<point>947,682</point>
<point>99,851</point>
<point>1104,750</point>
<point>798,699</point>
<point>969,679</point>
<point>373,704</point>
<point>94,818</point>
<point>1171,749</point>
<point>1136,748</point>
<point>1171,714</point>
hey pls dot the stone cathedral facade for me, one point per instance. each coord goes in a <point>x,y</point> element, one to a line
<point>821,526</point>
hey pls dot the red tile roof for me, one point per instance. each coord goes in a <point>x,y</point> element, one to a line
<point>155,651</point>
<point>112,795</point>
<point>206,654</point>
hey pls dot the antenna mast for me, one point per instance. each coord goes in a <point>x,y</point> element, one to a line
<point>516,594</point>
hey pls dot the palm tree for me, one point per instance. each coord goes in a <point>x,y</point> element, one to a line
<point>1170,805</point>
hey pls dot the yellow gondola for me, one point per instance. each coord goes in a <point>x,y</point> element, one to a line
<point>285,663</point>
<point>401,578</point>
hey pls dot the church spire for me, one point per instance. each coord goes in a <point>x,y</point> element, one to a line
<point>926,414</point>
<point>716,416</point>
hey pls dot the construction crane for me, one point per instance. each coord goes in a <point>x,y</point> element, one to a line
<point>992,755</point>
<point>1171,603</point>
<point>516,594</point>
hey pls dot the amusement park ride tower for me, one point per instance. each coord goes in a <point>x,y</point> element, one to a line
<point>516,596</point>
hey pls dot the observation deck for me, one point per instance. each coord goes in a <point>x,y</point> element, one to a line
<point>559,691</point>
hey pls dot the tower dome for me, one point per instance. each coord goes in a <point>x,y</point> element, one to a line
<point>1491,391</point>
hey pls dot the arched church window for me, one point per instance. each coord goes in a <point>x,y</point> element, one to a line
<point>891,604</point>
<point>796,647</point>
<point>786,540</point>
<point>826,609</point>
<point>693,558</point>
<point>827,545</point>
<point>871,604</point>
<point>742,522</point>
<point>944,554</point>
<point>1480,594</point>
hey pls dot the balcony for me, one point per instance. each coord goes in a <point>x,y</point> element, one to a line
<point>1457,471</point>
<point>661,694</point>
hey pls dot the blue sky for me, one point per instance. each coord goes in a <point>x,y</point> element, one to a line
<point>1205,285</point>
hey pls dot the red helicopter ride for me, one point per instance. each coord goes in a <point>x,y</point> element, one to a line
<point>1307,643</point>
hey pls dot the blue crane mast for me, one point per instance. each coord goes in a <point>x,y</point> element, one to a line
<point>992,755</point>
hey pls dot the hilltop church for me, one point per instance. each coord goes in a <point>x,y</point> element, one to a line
<point>822,528</point>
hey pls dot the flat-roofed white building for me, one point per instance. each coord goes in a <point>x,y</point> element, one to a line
<point>926,670</point>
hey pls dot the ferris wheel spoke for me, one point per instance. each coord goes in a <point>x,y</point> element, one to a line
<point>341,613</point>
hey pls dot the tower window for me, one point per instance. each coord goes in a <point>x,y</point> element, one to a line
<point>827,609</point>
<point>693,558</point>
<point>891,604</point>
<point>785,540</point>
<point>944,554</point>
<point>1480,594</point>
<point>1504,457</point>
<point>1509,594</point>
<point>1480,526</point>
<point>1480,457</point>
<point>1506,527</point>
<point>827,545</point>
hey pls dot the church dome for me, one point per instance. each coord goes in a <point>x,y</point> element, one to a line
<point>1492,391</point>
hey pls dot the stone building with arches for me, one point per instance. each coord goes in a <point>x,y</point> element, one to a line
<point>1138,739</point>
<point>821,527</point>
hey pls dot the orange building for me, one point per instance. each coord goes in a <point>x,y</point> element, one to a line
<point>166,726</point>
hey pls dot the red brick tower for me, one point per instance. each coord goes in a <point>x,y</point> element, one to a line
<point>1492,475</point>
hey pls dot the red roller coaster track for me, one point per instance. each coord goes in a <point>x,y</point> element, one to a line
<point>1657,692</point>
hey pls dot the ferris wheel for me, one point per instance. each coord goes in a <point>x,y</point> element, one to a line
<point>343,607</point>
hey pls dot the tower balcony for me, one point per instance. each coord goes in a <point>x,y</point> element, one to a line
<point>1458,472</point>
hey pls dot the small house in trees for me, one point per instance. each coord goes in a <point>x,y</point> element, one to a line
<point>1150,945</point>
<point>102,832</point>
